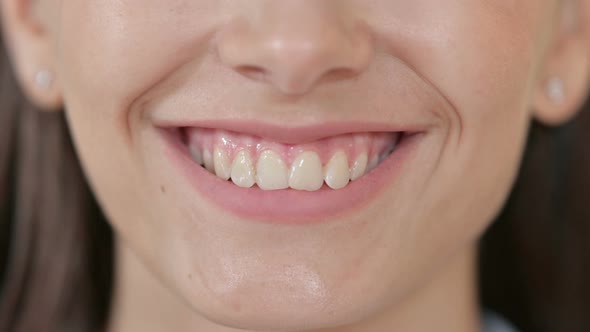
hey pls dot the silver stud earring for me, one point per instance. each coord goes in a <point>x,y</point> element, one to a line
<point>44,79</point>
<point>556,90</point>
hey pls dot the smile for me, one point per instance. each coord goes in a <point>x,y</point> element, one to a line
<point>288,175</point>
<point>252,161</point>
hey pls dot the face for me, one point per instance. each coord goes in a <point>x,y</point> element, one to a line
<point>142,79</point>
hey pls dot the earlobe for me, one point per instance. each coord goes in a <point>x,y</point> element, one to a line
<point>28,39</point>
<point>564,83</point>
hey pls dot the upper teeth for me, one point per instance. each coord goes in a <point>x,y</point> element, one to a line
<point>337,171</point>
<point>359,167</point>
<point>269,171</point>
<point>221,163</point>
<point>242,170</point>
<point>306,172</point>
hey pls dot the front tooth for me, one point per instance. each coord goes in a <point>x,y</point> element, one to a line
<point>306,172</point>
<point>271,172</point>
<point>222,164</point>
<point>242,170</point>
<point>208,161</point>
<point>359,167</point>
<point>196,155</point>
<point>337,174</point>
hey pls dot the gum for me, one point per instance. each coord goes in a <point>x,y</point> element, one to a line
<point>374,144</point>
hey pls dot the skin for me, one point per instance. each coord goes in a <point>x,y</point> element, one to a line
<point>474,71</point>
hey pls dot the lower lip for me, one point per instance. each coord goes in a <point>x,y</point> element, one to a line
<point>289,206</point>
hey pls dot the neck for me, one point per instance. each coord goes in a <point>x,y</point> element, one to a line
<point>447,302</point>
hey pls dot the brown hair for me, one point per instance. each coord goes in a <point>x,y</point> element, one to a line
<point>535,259</point>
<point>55,247</point>
<point>56,255</point>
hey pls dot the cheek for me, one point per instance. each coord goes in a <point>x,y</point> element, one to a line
<point>490,65</point>
<point>486,69</point>
<point>109,52</point>
<point>470,51</point>
<point>483,58</point>
<point>127,45</point>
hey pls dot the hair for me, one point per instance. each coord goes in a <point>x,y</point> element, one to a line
<point>56,248</point>
<point>56,253</point>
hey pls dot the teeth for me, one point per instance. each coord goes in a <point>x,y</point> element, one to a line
<point>306,172</point>
<point>337,174</point>
<point>196,155</point>
<point>271,172</point>
<point>208,161</point>
<point>221,164</point>
<point>359,167</point>
<point>386,154</point>
<point>373,163</point>
<point>242,170</point>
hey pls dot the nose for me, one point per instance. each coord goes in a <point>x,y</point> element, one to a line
<point>294,45</point>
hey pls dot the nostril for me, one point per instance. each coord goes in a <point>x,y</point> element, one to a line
<point>340,74</point>
<point>294,58</point>
<point>253,72</point>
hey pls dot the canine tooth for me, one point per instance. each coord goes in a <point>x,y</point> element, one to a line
<point>271,172</point>
<point>373,163</point>
<point>221,164</point>
<point>208,161</point>
<point>196,155</point>
<point>337,174</point>
<point>359,167</point>
<point>306,172</point>
<point>242,170</point>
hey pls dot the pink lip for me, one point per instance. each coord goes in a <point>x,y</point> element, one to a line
<point>288,206</point>
<point>290,134</point>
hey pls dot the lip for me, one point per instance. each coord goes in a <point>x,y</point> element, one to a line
<point>288,206</point>
<point>292,134</point>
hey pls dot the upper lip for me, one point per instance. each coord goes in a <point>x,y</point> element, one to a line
<point>288,134</point>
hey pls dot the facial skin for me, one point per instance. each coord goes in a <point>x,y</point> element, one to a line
<point>474,72</point>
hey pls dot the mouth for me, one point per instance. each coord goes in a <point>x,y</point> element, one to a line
<point>287,175</point>
<point>249,161</point>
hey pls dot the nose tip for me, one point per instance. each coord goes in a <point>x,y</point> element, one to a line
<point>295,53</point>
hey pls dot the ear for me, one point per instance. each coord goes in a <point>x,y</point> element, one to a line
<point>566,70</point>
<point>27,27</point>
